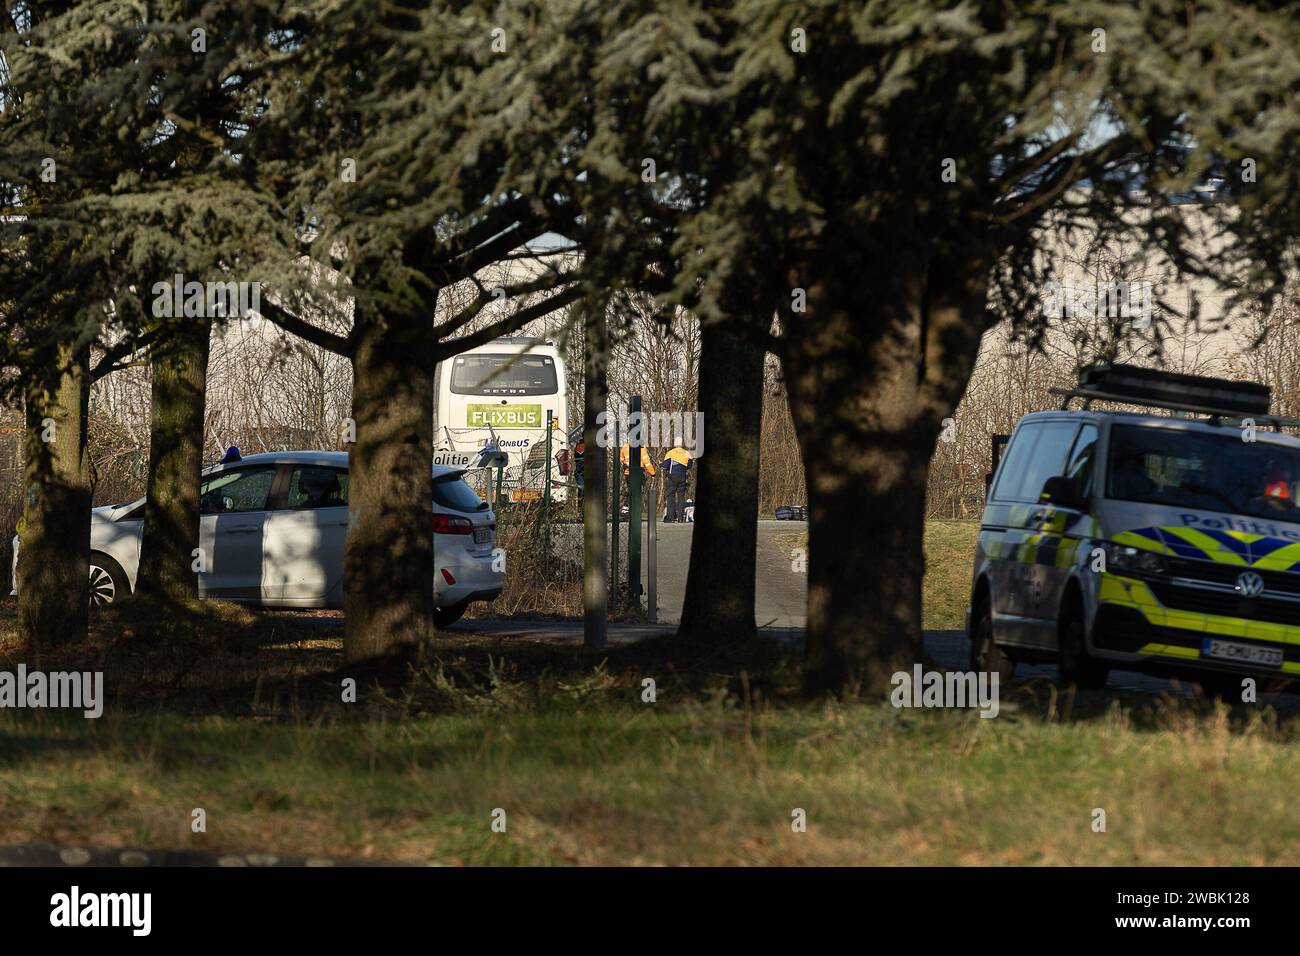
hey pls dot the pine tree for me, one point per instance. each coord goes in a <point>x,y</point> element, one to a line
<point>402,144</point>
<point>899,166</point>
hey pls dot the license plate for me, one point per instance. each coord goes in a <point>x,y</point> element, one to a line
<point>1243,653</point>
<point>482,535</point>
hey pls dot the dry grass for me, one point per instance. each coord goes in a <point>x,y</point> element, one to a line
<point>539,581</point>
<point>949,562</point>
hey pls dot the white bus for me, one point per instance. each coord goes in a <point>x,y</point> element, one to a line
<point>499,394</point>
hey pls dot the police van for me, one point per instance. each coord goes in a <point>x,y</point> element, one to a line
<point>1166,543</point>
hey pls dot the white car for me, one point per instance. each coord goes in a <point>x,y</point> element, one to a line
<point>272,530</point>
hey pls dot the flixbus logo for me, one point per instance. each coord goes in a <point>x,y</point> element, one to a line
<point>504,416</point>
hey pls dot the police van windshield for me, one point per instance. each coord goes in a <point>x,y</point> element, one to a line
<point>1199,470</point>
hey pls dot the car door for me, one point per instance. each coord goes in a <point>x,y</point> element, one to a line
<point>1063,526</point>
<point>303,551</point>
<point>232,517</point>
<point>1015,535</point>
<point>1002,534</point>
<point>1035,566</point>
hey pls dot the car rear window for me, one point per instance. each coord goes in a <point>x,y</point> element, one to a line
<point>452,492</point>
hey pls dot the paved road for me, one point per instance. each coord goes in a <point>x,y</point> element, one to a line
<point>781,591</point>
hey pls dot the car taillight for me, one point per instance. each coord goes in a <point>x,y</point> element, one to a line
<point>445,524</point>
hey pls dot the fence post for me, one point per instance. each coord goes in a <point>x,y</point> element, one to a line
<point>651,553</point>
<point>615,517</point>
<point>634,441</point>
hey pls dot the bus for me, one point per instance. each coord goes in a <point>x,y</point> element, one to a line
<point>499,394</point>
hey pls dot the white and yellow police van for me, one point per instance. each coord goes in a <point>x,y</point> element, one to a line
<point>1143,541</point>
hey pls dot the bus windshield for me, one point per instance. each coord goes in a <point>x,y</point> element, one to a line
<point>1199,470</point>
<point>503,374</point>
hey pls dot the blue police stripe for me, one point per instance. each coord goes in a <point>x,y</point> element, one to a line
<point>1177,545</point>
<point>1266,546</point>
<point>1251,551</point>
<point>1235,545</point>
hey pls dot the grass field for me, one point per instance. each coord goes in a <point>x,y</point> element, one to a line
<point>241,714</point>
<point>949,562</point>
<point>605,781</point>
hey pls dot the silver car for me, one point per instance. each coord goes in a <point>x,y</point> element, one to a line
<point>272,530</point>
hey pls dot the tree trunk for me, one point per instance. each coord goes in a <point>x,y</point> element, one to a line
<point>719,601</point>
<point>595,510</point>
<point>868,405</point>
<point>389,561</point>
<point>171,515</point>
<point>54,551</point>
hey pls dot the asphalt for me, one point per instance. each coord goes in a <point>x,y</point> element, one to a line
<point>781,589</point>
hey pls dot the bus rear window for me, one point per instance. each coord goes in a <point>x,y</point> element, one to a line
<point>504,374</point>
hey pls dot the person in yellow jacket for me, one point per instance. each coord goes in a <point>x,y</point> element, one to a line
<point>677,468</point>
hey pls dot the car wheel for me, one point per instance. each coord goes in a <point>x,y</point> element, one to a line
<point>1073,662</point>
<point>985,655</point>
<point>447,616</point>
<point>108,582</point>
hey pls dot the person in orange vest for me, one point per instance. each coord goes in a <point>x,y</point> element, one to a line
<point>677,468</point>
<point>625,453</point>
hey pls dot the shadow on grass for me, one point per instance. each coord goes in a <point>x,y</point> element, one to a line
<point>221,659</point>
<point>218,659</point>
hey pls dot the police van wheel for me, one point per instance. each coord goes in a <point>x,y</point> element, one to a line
<point>1073,662</point>
<point>985,655</point>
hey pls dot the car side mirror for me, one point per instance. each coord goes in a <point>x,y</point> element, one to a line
<point>1059,490</point>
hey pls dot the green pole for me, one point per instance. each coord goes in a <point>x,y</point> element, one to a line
<point>634,502</point>
<point>615,517</point>
<point>501,479</point>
